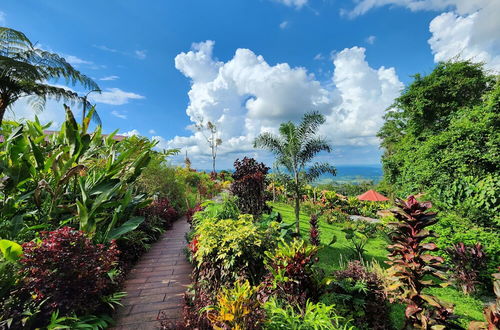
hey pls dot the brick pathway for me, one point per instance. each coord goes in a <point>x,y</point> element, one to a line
<point>157,283</point>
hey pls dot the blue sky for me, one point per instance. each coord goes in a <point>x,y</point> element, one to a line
<point>346,59</point>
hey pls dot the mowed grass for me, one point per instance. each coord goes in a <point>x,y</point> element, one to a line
<point>338,254</point>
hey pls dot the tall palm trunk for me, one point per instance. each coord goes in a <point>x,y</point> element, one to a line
<point>3,108</point>
<point>297,204</point>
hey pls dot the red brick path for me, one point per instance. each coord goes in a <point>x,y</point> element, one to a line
<point>156,285</point>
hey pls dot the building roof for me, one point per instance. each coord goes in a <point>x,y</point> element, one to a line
<point>372,195</point>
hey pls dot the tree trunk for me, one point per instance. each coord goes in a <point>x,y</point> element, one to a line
<point>3,108</point>
<point>297,204</point>
<point>213,164</point>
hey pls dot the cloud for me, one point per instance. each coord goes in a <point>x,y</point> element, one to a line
<point>466,30</point>
<point>371,40</point>
<point>109,78</point>
<point>246,96</point>
<point>152,131</point>
<point>133,132</point>
<point>319,57</point>
<point>284,25</point>
<point>293,3</point>
<point>3,20</point>
<point>140,54</point>
<point>118,114</point>
<point>106,48</point>
<point>74,60</point>
<point>114,96</point>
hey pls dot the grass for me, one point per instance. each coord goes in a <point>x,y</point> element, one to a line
<point>334,256</point>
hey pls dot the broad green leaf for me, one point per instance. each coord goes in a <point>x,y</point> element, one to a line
<point>128,226</point>
<point>11,250</point>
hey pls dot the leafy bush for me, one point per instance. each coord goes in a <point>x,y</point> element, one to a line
<point>473,198</point>
<point>313,316</point>
<point>290,272</point>
<point>236,308</point>
<point>414,267</point>
<point>467,262</point>
<point>360,295</point>
<point>229,249</point>
<point>132,246</point>
<point>65,272</point>
<point>161,209</point>
<point>250,185</point>
<point>453,229</point>
<point>226,209</point>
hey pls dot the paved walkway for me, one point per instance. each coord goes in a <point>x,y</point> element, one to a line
<point>157,283</point>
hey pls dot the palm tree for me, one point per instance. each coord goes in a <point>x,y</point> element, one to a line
<point>294,148</point>
<point>25,71</point>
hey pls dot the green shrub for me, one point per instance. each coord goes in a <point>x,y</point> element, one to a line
<point>229,249</point>
<point>281,315</point>
<point>452,229</point>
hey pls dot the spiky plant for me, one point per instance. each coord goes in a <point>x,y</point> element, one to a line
<point>414,268</point>
<point>294,148</point>
<point>314,230</point>
<point>26,71</point>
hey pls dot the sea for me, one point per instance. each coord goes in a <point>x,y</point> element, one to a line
<point>352,174</point>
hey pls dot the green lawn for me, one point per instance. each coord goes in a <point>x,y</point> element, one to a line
<point>332,257</point>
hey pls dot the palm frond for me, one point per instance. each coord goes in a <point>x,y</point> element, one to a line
<point>311,148</point>
<point>315,171</point>
<point>310,124</point>
<point>268,141</point>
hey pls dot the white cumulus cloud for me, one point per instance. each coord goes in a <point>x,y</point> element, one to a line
<point>133,132</point>
<point>114,96</point>
<point>466,29</point>
<point>246,96</point>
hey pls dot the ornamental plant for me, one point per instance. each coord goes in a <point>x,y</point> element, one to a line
<point>229,249</point>
<point>314,230</point>
<point>290,274</point>
<point>65,271</point>
<point>236,308</point>
<point>359,293</point>
<point>161,208</point>
<point>250,185</point>
<point>414,268</point>
<point>467,263</point>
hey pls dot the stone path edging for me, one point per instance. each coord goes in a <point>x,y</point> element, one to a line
<point>157,283</point>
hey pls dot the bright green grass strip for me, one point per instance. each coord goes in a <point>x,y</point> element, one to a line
<point>332,257</point>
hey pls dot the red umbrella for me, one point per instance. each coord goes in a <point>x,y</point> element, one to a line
<point>372,195</point>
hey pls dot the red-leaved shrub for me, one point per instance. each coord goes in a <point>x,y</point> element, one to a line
<point>67,272</point>
<point>161,208</point>
<point>250,186</point>
<point>191,211</point>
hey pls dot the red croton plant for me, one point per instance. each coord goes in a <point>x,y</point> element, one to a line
<point>414,268</point>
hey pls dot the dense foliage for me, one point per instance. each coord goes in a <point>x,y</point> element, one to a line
<point>54,183</point>
<point>250,185</point>
<point>358,292</point>
<point>442,137</point>
<point>64,272</point>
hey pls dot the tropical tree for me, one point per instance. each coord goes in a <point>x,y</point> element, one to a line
<point>209,131</point>
<point>294,148</point>
<point>26,71</point>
